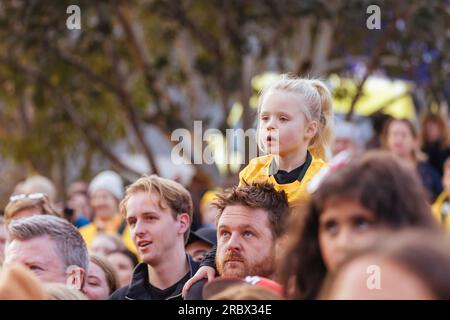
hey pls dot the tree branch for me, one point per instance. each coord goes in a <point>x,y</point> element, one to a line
<point>130,109</point>
<point>90,134</point>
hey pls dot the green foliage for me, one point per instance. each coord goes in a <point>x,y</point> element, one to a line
<point>103,73</point>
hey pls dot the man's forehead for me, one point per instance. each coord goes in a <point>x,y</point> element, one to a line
<point>143,202</point>
<point>36,242</point>
<point>240,215</point>
<point>243,211</point>
<point>34,249</point>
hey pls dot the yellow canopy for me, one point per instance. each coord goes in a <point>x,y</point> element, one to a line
<point>378,93</point>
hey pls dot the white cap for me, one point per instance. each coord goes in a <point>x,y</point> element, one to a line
<point>109,181</point>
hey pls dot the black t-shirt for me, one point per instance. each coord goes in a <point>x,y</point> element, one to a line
<point>163,294</point>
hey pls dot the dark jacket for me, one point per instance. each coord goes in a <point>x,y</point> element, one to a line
<point>430,180</point>
<point>138,289</point>
<point>437,155</point>
<point>210,259</point>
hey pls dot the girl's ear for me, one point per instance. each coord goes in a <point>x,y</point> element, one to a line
<point>311,129</point>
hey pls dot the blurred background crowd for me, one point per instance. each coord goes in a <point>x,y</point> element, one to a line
<point>84,113</point>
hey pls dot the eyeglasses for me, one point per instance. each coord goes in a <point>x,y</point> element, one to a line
<point>31,196</point>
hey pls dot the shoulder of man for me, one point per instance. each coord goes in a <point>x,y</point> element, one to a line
<point>119,294</point>
<point>196,290</point>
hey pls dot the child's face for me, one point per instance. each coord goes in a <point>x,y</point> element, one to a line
<point>283,128</point>
<point>344,225</point>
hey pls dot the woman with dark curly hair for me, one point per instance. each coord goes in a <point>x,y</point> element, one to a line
<point>370,194</point>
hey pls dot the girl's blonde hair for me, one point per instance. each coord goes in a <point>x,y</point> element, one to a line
<point>318,108</point>
<point>59,291</point>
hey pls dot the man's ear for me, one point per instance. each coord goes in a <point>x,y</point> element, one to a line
<point>184,222</point>
<point>75,277</point>
<point>311,129</point>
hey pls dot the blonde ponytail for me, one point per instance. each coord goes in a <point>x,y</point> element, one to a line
<point>320,144</point>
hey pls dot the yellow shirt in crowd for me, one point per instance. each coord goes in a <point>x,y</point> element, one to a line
<point>263,169</point>
<point>441,210</point>
<point>89,232</point>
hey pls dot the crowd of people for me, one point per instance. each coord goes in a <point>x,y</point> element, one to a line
<point>319,216</point>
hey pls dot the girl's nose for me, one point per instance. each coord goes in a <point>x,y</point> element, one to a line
<point>270,125</point>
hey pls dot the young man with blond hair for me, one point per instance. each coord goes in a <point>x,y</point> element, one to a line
<point>158,212</point>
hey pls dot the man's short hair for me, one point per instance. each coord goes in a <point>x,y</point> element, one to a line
<point>69,243</point>
<point>260,195</point>
<point>172,193</point>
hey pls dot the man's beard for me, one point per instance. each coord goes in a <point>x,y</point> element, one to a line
<point>242,269</point>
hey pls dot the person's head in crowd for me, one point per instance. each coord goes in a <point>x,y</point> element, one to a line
<point>250,288</point>
<point>49,246</point>
<point>208,211</point>
<point>79,186</point>
<point>408,265</point>
<point>295,115</point>
<point>123,261</point>
<point>79,202</point>
<point>346,138</point>
<point>400,137</point>
<point>159,213</point>
<point>37,184</point>
<point>106,191</point>
<point>370,194</point>
<point>200,242</point>
<point>105,243</point>
<point>26,205</point>
<point>59,291</point>
<point>19,283</point>
<point>102,279</point>
<point>435,129</point>
<point>251,219</point>
<point>3,238</point>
